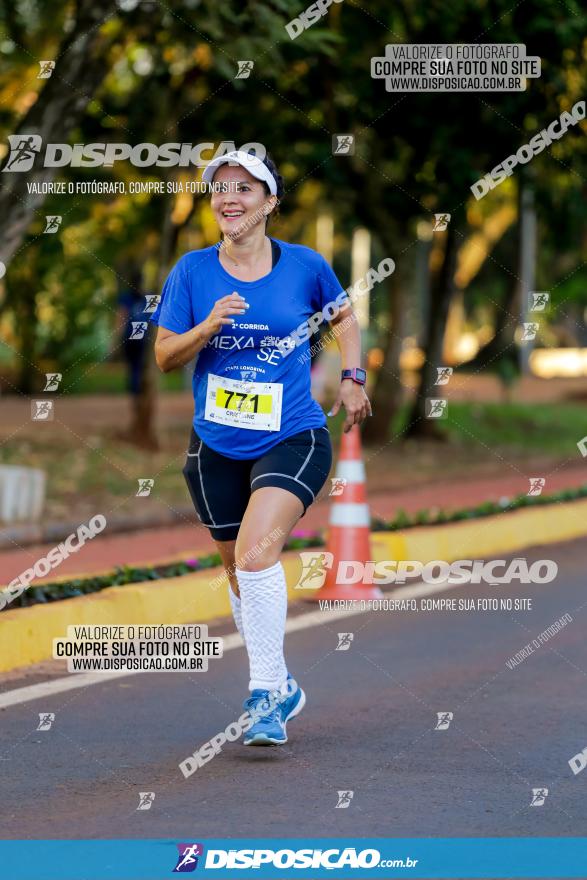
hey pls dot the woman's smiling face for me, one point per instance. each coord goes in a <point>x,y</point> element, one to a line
<point>244,204</point>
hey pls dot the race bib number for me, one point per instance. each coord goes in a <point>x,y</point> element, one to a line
<point>252,405</point>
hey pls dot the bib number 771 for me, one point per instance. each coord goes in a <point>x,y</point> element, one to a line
<point>252,405</point>
<point>241,397</point>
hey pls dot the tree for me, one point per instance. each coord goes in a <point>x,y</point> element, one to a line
<point>82,61</point>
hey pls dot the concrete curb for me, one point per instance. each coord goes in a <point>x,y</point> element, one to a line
<point>26,634</point>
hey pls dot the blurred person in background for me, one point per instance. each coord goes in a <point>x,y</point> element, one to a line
<point>131,330</point>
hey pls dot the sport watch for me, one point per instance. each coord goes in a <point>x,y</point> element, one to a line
<point>357,374</point>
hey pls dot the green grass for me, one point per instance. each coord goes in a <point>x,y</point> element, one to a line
<point>88,378</point>
<point>536,427</point>
<point>111,379</point>
<point>553,428</point>
<point>80,478</point>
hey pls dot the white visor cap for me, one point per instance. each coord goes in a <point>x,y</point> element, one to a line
<point>247,160</point>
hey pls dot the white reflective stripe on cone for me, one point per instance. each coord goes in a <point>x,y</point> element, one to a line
<point>353,471</point>
<point>349,515</point>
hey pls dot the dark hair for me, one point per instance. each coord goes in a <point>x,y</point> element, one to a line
<point>270,164</point>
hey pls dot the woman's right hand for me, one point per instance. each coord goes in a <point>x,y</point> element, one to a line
<point>233,304</point>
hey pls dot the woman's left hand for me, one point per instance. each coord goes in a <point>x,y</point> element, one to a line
<point>355,401</point>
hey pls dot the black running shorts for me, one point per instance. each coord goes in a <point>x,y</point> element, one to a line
<point>221,487</point>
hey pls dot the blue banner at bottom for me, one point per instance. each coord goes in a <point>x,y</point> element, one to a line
<point>305,859</point>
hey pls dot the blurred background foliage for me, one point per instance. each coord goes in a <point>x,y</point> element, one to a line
<point>148,71</point>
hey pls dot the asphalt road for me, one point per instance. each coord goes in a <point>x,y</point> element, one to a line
<point>368,727</point>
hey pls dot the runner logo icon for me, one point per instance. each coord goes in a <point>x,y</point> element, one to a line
<point>443,375</point>
<point>338,484</point>
<point>46,69</point>
<point>52,381</point>
<point>23,150</point>
<point>344,800</point>
<point>42,410</point>
<point>343,144</point>
<point>441,222</point>
<point>187,860</point>
<point>46,719</point>
<point>444,719</point>
<point>146,799</point>
<point>139,328</point>
<point>244,69</point>
<point>52,223</point>
<point>539,301</point>
<point>314,566</point>
<point>436,408</point>
<point>530,331</point>
<point>537,484</point>
<point>152,301</point>
<point>344,641</point>
<point>539,795</point>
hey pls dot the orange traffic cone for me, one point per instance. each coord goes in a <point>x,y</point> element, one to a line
<point>348,536</point>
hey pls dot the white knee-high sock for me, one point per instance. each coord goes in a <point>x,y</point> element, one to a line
<point>237,612</point>
<point>264,609</point>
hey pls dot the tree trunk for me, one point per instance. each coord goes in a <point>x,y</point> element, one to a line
<point>441,294</point>
<point>27,315</point>
<point>142,430</point>
<point>24,296</point>
<point>507,316</point>
<point>372,212</point>
<point>505,326</point>
<point>387,393</point>
<point>80,68</point>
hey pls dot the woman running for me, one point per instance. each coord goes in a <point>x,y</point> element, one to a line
<point>260,450</point>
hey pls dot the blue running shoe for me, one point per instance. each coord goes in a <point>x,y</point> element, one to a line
<point>268,728</point>
<point>271,711</point>
<point>293,701</point>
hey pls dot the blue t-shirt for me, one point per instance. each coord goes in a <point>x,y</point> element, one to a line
<point>300,285</point>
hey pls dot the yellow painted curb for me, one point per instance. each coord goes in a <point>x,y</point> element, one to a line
<point>26,634</point>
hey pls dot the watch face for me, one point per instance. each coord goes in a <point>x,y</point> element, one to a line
<point>358,375</point>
